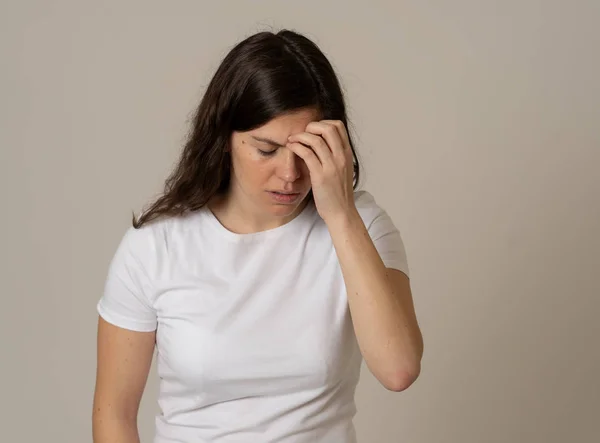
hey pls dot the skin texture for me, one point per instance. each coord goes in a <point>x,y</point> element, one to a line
<point>123,363</point>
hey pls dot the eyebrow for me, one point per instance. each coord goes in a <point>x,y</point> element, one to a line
<point>268,141</point>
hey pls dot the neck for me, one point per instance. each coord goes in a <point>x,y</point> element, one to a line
<point>240,215</point>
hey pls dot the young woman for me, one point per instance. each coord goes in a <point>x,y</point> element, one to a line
<point>261,275</point>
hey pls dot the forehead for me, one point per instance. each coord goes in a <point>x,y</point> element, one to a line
<point>288,123</point>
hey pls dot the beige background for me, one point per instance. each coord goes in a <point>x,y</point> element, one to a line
<point>478,123</point>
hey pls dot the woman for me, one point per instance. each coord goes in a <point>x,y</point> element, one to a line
<point>261,275</point>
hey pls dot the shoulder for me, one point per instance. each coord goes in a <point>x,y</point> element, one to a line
<point>368,208</point>
<point>364,198</point>
<point>148,243</point>
<point>157,239</point>
<point>144,238</point>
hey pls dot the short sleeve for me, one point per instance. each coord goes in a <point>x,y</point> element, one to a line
<point>382,230</point>
<point>388,243</point>
<point>125,302</point>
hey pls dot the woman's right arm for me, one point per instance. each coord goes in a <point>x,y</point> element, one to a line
<point>123,363</point>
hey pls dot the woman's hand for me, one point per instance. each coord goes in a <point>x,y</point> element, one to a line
<point>325,148</point>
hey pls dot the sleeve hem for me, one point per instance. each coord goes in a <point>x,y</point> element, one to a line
<point>394,264</point>
<point>124,322</point>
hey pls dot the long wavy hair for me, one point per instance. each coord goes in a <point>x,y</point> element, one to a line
<point>262,77</point>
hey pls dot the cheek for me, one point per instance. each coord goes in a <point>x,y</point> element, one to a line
<point>251,167</point>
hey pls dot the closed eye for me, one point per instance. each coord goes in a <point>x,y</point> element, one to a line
<point>266,153</point>
<point>269,142</point>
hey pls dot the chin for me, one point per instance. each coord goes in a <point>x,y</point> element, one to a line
<point>283,210</point>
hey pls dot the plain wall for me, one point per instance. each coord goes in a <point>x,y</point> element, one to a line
<point>478,125</point>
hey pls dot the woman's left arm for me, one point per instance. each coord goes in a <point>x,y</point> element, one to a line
<point>381,306</point>
<point>380,299</point>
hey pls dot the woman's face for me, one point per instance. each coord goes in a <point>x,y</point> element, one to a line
<point>262,166</point>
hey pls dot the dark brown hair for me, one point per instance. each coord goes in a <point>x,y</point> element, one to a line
<point>262,77</point>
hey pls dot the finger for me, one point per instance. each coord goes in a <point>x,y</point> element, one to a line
<point>342,131</point>
<point>331,135</point>
<point>316,143</point>
<point>310,158</point>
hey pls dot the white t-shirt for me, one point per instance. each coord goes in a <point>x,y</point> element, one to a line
<point>254,336</point>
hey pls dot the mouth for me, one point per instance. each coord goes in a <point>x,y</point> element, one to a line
<point>284,197</point>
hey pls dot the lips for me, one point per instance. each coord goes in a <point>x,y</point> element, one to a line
<point>284,198</point>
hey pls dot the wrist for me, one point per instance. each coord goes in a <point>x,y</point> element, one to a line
<point>344,221</point>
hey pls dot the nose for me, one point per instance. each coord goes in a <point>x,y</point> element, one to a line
<point>289,169</point>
